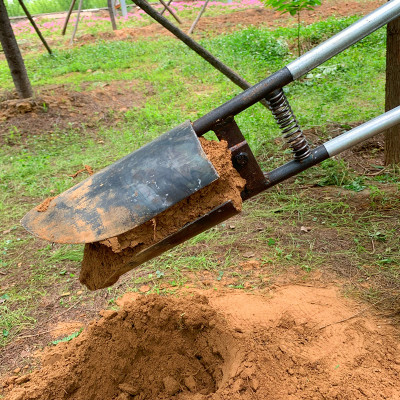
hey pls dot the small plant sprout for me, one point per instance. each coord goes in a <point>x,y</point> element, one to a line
<point>293,7</point>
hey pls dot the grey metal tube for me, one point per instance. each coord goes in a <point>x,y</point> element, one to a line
<point>363,132</point>
<point>345,38</point>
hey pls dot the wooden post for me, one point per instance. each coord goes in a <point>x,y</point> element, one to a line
<point>110,5</point>
<point>171,11</point>
<point>123,8</point>
<point>164,9</point>
<point>392,94</point>
<point>71,7</point>
<point>77,21</point>
<point>198,17</point>
<point>35,26</point>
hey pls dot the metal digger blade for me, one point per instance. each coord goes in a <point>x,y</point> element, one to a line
<point>127,193</point>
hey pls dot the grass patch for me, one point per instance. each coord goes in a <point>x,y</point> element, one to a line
<point>349,219</point>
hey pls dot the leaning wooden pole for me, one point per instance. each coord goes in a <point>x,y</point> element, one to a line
<point>165,8</point>
<point>77,21</point>
<point>35,26</point>
<point>200,50</point>
<point>71,7</point>
<point>110,5</point>
<point>13,55</point>
<point>172,12</point>
<point>198,17</point>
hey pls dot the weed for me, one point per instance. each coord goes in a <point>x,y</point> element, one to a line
<point>67,338</point>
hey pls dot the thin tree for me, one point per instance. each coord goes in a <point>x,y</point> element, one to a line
<point>392,95</point>
<point>13,55</point>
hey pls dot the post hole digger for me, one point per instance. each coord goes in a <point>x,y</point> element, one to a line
<point>166,181</point>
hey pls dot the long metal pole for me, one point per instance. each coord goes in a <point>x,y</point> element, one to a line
<point>201,51</point>
<point>71,7</point>
<point>335,146</point>
<point>344,39</point>
<point>198,17</point>
<point>302,65</point>
<point>35,26</point>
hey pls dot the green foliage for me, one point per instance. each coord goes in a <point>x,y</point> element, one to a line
<point>46,6</point>
<point>337,173</point>
<point>67,338</point>
<point>175,84</point>
<point>292,7</point>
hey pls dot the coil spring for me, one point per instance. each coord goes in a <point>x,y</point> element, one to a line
<point>283,114</point>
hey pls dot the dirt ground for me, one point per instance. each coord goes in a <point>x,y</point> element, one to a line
<point>59,107</point>
<point>297,342</point>
<point>242,18</point>
<point>287,342</point>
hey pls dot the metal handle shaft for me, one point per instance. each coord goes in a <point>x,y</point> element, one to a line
<point>302,65</point>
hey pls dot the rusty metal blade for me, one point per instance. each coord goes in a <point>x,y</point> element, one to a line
<point>127,193</point>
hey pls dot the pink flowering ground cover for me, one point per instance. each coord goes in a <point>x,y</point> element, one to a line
<point>51,26</point>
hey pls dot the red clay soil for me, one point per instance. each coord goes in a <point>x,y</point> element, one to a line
<point>58,107</point>
<point>300,343</point>
<point>104,262</point>
<point>230,22</point>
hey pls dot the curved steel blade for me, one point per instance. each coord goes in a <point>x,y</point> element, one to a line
<point>127,193</point>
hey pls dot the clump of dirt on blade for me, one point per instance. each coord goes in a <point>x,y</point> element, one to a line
<point>299,343</point>
<point>44,205</point>
<point>104,262</point>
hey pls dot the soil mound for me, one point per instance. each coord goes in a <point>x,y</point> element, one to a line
<point>59,107</point>
<point>104,262</point>
<point>302,343</point>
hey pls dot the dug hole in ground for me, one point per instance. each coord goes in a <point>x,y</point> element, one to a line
<point>298,343</point>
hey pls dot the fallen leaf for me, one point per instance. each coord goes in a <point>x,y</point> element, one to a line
<point>305,229</point>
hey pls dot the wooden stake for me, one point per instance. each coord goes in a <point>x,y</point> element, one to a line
<point>163,10</point>
<point>110,5</point>
<point>77,21</point>
<point>171,11</point>
<point>198,17</point>
<point>71,7</point>
<point>34,26</point>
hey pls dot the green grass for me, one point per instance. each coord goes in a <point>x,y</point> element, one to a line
<point>45,6</point>
<point>347,89</point>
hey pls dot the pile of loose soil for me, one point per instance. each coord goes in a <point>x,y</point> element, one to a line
<point>217,346</point>
<point>59,107</point>
<point>104,262</point>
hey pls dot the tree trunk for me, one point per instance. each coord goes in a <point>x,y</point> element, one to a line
<point>13,55</point>
<point>392,135</point>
